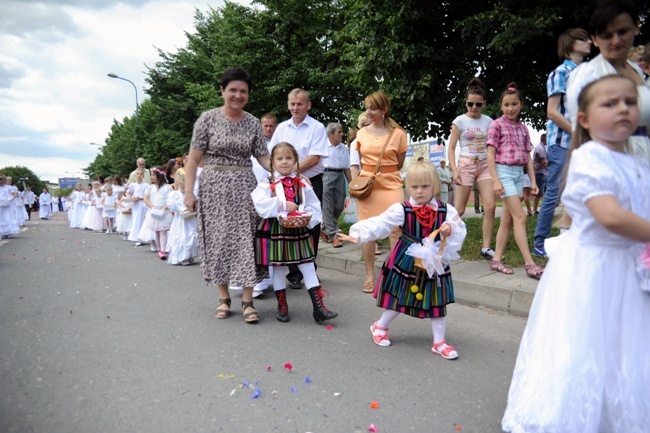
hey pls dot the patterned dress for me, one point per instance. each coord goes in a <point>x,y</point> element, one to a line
<point>226,216</point>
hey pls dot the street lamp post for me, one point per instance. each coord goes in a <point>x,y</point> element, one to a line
<point>23,180</point>
<point>114,75</point>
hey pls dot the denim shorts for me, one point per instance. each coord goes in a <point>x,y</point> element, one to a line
<point>512,179</point>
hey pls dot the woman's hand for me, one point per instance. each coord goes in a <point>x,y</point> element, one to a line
<point>347,238</point>
<point>445,230</point>
<point>291,206</point>
<point>190,201</point>
<point>497,187</point>
<point>455,176</point>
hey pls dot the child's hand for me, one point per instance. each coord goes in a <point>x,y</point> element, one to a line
<point>346,238</point>
<point>445,230</point>
<point>497,187</point>
<point>291,207</point>
<point>534,190</point>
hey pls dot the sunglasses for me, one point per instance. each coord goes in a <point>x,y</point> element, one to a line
<point>471,104</point>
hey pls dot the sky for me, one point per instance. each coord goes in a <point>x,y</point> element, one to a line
<point>55,95</point>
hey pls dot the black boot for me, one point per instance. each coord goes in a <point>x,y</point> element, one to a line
<point>321,313</point>
<point>283,308</point>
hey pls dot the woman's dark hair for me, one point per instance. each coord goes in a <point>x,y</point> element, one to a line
<point>236,74</point>
<point>512,89</point>
<point>607,10</point>
<point>117,179</point>
<point>476,87</point>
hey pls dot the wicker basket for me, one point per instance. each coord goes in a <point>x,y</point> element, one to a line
<point>295,221</point>
<point>418,262</point>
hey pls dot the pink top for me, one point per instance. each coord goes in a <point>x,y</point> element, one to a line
<point>511,141</point>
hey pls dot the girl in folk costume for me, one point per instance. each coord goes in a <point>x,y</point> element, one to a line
<point>8,224</point>
<point>584,362</point>
<point>44,205</point>
<point>275,245</point>
<point>158,219</point>
<point>93,219</point>
<point>402,286</point>
<point>139,211</point>
<point>108,208</point>
<point>183,241</point>
<point>124,220</point>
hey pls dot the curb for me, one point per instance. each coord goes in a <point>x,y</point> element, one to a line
<point>474,283</point>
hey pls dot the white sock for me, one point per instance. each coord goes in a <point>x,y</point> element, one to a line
<point>385,319</point>
<point>438,326</point>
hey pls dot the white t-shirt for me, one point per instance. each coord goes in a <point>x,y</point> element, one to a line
<point>473,135</point>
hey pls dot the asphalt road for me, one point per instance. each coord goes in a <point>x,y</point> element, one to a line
<point>100,336</point>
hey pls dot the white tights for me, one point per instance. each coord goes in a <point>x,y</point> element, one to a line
<point>308,271</point>
<point>438,324</point>
<point>161,239</point>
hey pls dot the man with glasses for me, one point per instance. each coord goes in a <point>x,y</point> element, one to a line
<point>573,46</point>
<point>147,175</point>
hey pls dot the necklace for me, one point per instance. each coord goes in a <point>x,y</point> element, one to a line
<point>426,216</point>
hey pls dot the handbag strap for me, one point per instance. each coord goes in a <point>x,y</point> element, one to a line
<point>381,155</point>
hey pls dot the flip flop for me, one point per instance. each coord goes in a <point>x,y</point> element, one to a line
<point>368,287</point>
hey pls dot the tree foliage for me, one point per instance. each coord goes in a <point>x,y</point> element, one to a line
<point>421,53</point>
<point>17,172</point>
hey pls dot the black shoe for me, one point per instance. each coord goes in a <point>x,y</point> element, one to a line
<point>477,210</point>
<point>295,285</point>
<point>321,313</point>
<point>283,309</point>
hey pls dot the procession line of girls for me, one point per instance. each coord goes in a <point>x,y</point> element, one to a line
<point>145,213</point>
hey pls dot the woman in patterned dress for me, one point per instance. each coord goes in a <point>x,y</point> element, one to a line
<point>225,138</point>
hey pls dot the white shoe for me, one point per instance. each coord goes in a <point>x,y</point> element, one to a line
<point>153,246</point>
<point>257,293</point>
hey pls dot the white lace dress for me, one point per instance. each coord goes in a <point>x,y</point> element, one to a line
<point>584,360</point>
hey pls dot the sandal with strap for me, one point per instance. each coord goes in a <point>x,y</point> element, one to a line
<point>380,339</point>
<point>251,316</point>
<point>222,313</point>
<point>499,266</point>
<point>368,287</point>
<point>447,351</point>
<point>534,271</point>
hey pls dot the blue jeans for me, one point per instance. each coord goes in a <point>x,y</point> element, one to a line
<point>556,158</point>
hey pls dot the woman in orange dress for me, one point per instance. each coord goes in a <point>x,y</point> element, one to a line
<point>387,187</point>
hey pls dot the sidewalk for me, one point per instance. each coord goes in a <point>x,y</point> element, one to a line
<point>474,283</point>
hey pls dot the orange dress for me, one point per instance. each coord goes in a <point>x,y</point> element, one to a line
<point>387,188</point>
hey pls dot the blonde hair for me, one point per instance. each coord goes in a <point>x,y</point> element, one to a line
<point>423,173</point>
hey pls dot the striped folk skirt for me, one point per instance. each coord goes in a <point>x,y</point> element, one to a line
<point>395,287</point>
<point>276,245</point>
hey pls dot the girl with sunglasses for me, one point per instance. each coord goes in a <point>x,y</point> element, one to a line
<point>471,130</point>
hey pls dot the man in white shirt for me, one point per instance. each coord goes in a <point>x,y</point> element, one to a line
<point>337,171</point>
<point>147,174</point>
<point>309,138</point>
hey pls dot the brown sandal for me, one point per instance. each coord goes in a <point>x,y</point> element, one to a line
<point>534,271</point>
<point>368,287</point>
<point>247,316</point>
<point>222,313</point>
<point>499,266</point>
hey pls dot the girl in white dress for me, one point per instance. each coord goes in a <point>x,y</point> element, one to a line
<point>76,210</point>
<point>584,362</point>
<point>55,204</point>
<point>108,208</point>
<point>44,205</point>
<point>93,219</point>
<point>159,219</point>
<point>8,224</point>
<point>183,241</point>
<point>124,219</point>
<point>139,211</point>
<point>17,203</point>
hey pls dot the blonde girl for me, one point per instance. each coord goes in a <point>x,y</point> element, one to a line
<point>509,149</point>
<point>403,288</point>
<point>159,219</point>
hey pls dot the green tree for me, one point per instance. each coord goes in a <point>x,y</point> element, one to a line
<point>17,172</point>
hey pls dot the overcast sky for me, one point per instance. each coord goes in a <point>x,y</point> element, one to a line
<point>55,96</point>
